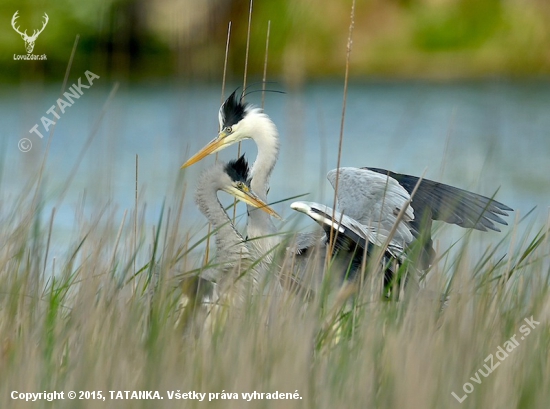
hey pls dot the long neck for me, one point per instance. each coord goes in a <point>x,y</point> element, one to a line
<point>264,132</point>
<point>230,244</point>
<point>267,140</point>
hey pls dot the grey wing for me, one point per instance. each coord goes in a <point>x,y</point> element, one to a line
<point>348,228</point>
<point>451,204</point>
<point>352,241</point>
<point>373,200</point>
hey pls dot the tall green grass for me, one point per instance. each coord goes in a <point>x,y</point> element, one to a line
<point>90,321</point>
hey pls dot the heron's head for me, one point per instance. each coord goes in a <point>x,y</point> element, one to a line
<point>236,182</point>
<point>238,121</point>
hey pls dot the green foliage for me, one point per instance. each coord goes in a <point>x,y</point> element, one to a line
<point>411,38</point>
<point>466,24</point>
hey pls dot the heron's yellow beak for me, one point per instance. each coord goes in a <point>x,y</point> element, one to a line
<point>220,142</point>
<point>246,196</point>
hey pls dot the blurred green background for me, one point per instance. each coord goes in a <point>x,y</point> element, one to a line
<point>185,39</point>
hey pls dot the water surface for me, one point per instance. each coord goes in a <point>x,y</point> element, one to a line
<point>482,136</point>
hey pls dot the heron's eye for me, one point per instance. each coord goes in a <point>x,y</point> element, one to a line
<point>228,129</point>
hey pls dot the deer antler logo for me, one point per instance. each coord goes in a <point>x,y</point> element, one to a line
<point>29,40</point>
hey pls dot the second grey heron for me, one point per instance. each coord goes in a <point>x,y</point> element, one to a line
<point>233,254</point>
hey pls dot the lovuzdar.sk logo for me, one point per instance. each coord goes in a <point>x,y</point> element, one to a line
<point>29,39</point>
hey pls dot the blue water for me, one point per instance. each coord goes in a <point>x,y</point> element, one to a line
<point>481,136</point>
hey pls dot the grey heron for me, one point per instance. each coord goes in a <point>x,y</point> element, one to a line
<point>233,255</point>
<point>362,192</point>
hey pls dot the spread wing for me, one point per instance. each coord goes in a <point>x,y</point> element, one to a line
<point>352,239</point>
<point>374,200</point>
<point>348,228</point>
<point>450,204</point>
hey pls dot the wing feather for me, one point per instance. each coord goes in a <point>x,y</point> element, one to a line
<point>347,227</point>
<point>373,200</point>
<point>451,204</point>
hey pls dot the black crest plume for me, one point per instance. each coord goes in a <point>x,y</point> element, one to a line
<point>237,169</point>
<point>232,110</point>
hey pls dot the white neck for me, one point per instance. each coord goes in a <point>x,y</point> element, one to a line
<point>264,132</point>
